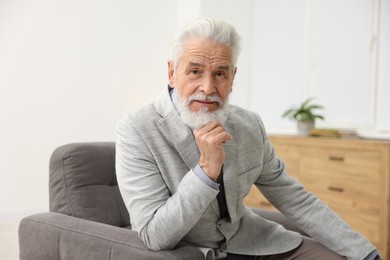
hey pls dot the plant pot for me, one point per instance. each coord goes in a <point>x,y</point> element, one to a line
<point>304,127</point>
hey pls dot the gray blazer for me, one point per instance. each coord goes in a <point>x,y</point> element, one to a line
<point>169,204</point>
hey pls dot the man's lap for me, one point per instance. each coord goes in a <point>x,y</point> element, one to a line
<point>309,249</point>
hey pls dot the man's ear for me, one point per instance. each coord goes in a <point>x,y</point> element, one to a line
<point>171,74</point>
<point>234,75</point>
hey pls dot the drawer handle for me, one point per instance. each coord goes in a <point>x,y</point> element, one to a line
<point>336,189</point>
<point>336,158</point>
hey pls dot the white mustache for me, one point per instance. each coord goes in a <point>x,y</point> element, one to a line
<point>203,97</point>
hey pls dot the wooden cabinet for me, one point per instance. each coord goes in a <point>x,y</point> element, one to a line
<point>352,176</point>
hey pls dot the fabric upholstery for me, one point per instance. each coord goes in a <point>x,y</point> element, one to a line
<point>83,183</point>
<point>54,236</point>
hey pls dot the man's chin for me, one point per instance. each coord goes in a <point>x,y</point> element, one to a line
<point>203,117</point>
<point>196,124</point>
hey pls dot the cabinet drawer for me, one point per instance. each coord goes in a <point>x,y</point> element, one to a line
<point>346,180</point>
<point>363,166</point>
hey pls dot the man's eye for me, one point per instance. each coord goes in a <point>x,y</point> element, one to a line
<point>220,74</point>
<point>195,72</point>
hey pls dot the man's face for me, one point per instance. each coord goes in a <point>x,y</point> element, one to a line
<point>204,67</point>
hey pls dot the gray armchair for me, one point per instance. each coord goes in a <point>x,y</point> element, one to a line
<point>88,218</point>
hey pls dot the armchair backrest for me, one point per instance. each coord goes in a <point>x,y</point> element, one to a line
<point>83,183</point>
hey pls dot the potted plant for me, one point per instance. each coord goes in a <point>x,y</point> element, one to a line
<point>304,115</point>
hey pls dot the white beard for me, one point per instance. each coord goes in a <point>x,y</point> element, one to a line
<point>203,116</point>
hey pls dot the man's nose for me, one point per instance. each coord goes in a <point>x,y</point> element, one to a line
<point>208,85</point>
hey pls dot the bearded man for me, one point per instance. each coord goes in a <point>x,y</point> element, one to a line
<point>186,161</point>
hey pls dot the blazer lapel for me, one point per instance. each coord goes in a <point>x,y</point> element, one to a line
<point>182,138</point>
<point>176,131</point>
<point>230,171</point>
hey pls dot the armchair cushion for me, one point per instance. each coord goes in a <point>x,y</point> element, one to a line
<point>83,183</point>
<point>54,236</point>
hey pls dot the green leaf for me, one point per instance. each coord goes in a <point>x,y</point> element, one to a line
<point>304,112</point>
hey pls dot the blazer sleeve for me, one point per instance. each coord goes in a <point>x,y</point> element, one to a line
<point>162,219</point>
<point>306,210</point>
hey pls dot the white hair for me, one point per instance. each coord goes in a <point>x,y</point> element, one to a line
<point>206,28</point>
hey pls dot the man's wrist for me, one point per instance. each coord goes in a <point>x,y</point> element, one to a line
<point>374,255</point>
<point>211,170</point>
<point>203,176</point>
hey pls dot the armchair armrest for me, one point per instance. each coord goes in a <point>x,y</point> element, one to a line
<point>58,236</point>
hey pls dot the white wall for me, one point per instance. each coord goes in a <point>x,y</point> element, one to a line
<point>68,71</point>
<point>278,58</point>
<point>383,104</point>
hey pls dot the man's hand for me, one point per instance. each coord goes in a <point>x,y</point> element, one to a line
<point>210,139</point>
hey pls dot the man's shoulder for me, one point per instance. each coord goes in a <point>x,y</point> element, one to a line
<point>240,113</point>
<point>144,112</point>
<point>140,117</point>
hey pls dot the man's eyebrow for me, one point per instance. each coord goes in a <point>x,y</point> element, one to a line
<point>224,67</point>
<point>197,64</point>
<point>194,64</point>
